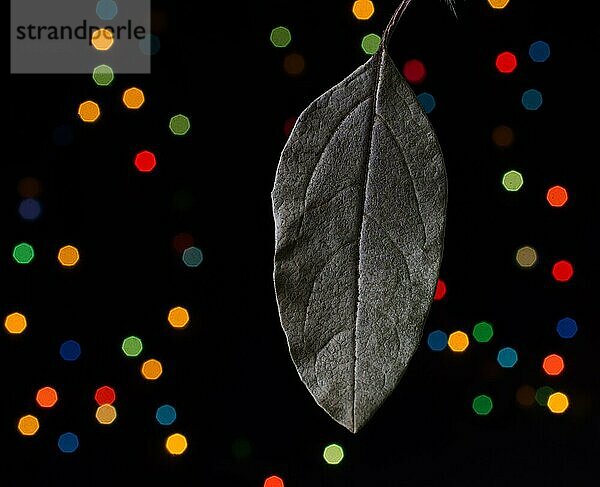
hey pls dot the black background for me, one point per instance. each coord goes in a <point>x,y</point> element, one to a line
<point>229,374</point>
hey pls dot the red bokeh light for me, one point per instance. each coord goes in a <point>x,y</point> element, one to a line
<point>105,395</point>
<point>145,161</point>
<point>506,62</point>
<point>440,290</point>
<point>414,71</point>
<point>562,271</point>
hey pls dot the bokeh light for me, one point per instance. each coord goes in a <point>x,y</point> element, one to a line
<point>192,257</point>
<point>503,136</point>
<point>182,241</point>
<point>506,62</point>
<point>46,397</point>
<point>29,187</point>
<point>241,448</point>
<point>176,444</point>
<point>30,209</point>
<point>525,396</point>
<point>68,442</point>
<point>562,271</point>
<point>532,99</point>
<point>107,9</point>
<point>89,111</point>
<point>273,481</point>
<point>106,414</point>
<point>281,36</point>
<point>68,256</point>
<point>132,346</point>
<point>414,71</point>
<point>28,425</point>
<point>333,454</point>
<point>151,369</point>
<point>458,341</point>
<point>427,101</point>
<point>512,181</point>
<point>526,257</point>
<point>483,332</point>
<point>542,394</point>
<point>178,317</point>
<point>370,43</point>
<point>150,45</point>
<point>294,64</point>
<point>179,125</point>
<point>437,340</point>
<point>482,405</point>
<point>566,327</point>
<point>507,357</point>
<point>288,125</point>
<point>498,4</point>
<point>105,395</point>
<point>557,196</point>
<point>15,323</point>
<point>145,161</point>
<point>102,39</point>
<point>553,364</point>
<point>103,75</point>
<point>62,135</point>
<point>558,402</point>
<point>363,9</point>
<point>183,200</point>
<point>70,350</point>
<point>23,253</point>
<point>539,51</point>
<point>166,415</point>
<point>133,98</point>
<point>440,290</point>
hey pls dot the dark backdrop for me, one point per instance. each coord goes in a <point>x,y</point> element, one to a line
<point>239,400</point>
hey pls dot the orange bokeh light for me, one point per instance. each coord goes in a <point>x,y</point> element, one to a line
<point>553,364</point>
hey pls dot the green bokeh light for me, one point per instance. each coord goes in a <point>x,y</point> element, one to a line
<point>483,332</point>
<point>542,395</point>
<point>333,454</point>
<point>241,449</point>
<point>482,405</point>
<point>370,43</point>
<point>512,181</point>
<point>103,75</point>
<point>179,124</point>
<point>132,346</point>
<point>23,253</point>
<point>281,36</point>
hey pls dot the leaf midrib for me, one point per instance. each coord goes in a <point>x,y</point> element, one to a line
<point>373,98</point>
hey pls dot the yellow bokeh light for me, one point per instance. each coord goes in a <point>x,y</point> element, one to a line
<point>458,341</point>
<point>558,402</point>
<point>176,444</point>
<point>526,257</point>
<point>152,369</point>
<point>498,4</point>
<point>103,39</point>
<point>363,9</point>
<point>133,98</point>
<point>89,111</point>
<point>28,425</point>
<point>106,414</point>
<point>15,323</point>
<point>68,256</point>
<point>179,317</point>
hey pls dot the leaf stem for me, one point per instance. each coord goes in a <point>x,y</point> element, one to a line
<point>391,27</point>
